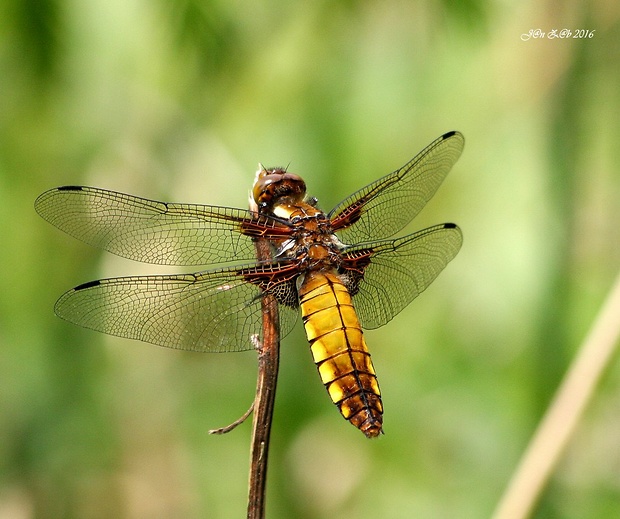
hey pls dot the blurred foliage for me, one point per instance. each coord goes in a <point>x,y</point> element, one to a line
<point>180,101</point>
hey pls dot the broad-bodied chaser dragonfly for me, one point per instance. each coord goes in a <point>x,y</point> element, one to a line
<point>332,266</point>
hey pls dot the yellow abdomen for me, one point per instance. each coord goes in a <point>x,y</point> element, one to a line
<point>340,351</point>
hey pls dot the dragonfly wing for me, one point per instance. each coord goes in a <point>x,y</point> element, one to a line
<point>387,275</point>
<point>384,207</point>
<point>213,311</point>
<point>156,232</point>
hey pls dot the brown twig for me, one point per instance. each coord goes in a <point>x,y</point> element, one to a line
<point>562,416</point>
<point>268,363</point>
<point>238,421</point>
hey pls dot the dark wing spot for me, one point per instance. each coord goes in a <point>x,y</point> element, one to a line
<point>69,188</point>
<point>90,284</point>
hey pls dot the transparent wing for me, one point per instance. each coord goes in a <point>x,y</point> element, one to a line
<point>396,271</point>
<point>156,232</point>
<point>213,311</point>
<point>384,207</point>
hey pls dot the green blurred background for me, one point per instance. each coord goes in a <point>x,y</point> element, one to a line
<point>179,101</point>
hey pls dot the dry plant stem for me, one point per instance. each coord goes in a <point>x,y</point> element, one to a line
<point>238,421</point>
<point>268,363</point>
<point>560,420</point>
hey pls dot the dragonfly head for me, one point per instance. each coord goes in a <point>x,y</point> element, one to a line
<point>275,186</point>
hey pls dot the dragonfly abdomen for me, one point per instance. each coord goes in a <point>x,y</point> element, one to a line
<point>339,350</point>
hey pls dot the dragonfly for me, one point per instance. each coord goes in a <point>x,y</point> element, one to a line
<point>343,271</point>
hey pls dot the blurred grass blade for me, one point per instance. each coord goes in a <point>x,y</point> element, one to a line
<point>562,416</point>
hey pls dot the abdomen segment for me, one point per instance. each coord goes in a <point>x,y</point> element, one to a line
<point>339,350</point>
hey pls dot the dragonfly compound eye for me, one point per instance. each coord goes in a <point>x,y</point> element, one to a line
<point>275,184</point>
